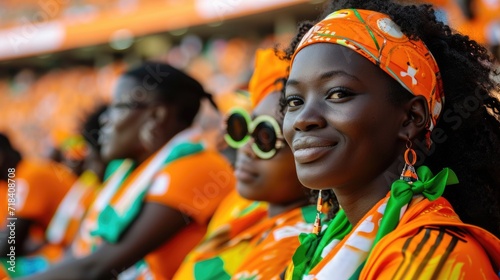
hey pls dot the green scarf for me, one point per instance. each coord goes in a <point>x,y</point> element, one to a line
<point>308,254</point>
<point>111,224</point>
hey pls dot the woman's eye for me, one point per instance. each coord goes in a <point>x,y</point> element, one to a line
<point>338,93</point>
<point>293,101</point>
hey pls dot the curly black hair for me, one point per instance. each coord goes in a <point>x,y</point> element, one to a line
<point>469,138</point>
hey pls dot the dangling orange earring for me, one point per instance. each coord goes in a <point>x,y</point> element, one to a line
<point>409,174</point>
<point>317,221</point>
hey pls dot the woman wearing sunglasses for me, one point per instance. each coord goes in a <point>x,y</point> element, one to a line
<point>259,239</point>
<point>380,94</point>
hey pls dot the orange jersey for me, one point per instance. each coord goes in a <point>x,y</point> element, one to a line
<point>430,242</point>
<point>247,244</point>
<point>64,224</point>
<point>233,216</point>
<point>232,207</point>
<point>40,187</point>
<point>195,185</point>
<point>269,258</point>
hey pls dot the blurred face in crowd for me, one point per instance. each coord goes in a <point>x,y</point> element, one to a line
<point>273,180</point>
<point>123,121</point>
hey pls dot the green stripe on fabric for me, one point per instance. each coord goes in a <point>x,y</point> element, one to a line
<point>370,31</point>
<point>249,208</point>
<point>210,269</point>
<point>112,167</point>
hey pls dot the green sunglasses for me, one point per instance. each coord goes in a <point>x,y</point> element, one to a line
<point>264,129</point>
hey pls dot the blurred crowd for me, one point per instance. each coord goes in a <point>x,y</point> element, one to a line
<point>40,110</point>
<point>14,12</point>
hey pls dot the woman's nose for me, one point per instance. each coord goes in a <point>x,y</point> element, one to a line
<point>247,149</point>
<point>309,117</point>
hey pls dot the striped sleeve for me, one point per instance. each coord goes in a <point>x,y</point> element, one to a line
<point>433,253</point>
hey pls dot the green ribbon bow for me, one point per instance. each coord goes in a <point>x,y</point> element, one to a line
<point>431,187</point>
<point>308,254</point>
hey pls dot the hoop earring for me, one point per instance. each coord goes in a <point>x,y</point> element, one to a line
<point>409,174</point>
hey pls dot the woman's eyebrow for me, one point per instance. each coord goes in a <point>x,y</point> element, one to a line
<point>324,76</point>
<point>335,73</point>
<point>291,82</point>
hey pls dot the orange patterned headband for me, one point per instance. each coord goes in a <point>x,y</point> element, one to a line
<point>375,36</point>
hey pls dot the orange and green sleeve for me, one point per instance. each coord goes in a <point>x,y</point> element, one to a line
<point>194,185</point>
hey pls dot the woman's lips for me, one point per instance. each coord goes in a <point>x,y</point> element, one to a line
<point>310,154</point>
<point>245,174</point>
<point>306,150</point>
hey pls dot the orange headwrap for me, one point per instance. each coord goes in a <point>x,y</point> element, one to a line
<point>232,99</point>
<point>375,36</point>
<point>268,70</point>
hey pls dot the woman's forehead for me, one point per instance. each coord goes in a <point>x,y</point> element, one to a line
<point>323,61</point>
<point>129,89</point>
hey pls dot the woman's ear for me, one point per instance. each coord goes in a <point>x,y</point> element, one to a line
<point>417,118</point>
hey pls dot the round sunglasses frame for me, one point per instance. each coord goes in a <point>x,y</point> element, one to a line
<point>251,125</point>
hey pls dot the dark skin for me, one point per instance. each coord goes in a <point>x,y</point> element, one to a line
<point>273,180</point>
<point>345,133</point>
<point>120,139</point>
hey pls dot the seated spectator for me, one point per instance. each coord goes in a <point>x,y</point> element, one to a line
<point>160,208</point>
<point>39,185</point>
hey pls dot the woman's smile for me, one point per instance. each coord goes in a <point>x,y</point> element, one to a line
<point>245,174</point>
<point>309,149</point>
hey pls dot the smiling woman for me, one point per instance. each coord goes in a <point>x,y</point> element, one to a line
<point>366,90</point>
<point>355,105</point>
